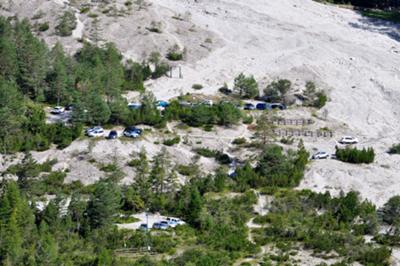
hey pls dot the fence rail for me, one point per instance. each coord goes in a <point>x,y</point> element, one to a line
<point>134,251</point>
<point>292,122</point>
<point>303,133</point>
<point>175,72</point>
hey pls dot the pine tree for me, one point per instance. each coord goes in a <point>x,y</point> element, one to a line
<point>114,72</point>
<point>12,241</point>
<point>58,77</point>
<point>104,203</point>
<point>47,252</point>
<point>142,182</point>
<point>194,207</point>
<point>32,61</point>
<point>8,53</point>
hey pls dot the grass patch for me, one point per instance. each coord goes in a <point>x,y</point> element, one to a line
<point>393,16</point>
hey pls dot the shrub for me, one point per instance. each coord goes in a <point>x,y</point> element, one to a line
<point>173,141</point>
<point>206,152</point>
<point>313,97</point>
<point>390,212</point>
<point>395,149</point>
<point>112,167</point>
<point>160,70</point>
<point>246,87</point>
<point>43,26</point>
<point>187,170</point>
<point>84,10</point>
<point>277,90</point>
<point>155,27</point>
<point>239,141</point>
<point>280,169</point>
<point>248,119</point>
<point>66,24</point>
<point>353,155</point>
<point>197,86</point>
<point>174,56</point>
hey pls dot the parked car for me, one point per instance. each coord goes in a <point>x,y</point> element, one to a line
<point>264,98</point>
<point>162,104</point>
<point>185,104</point>
<point>112,135</point>
<point>348,140</point>
<point>320,155</point>
<point>208,102</point>
<point>176,221</point>
<point>144,227</point>
<point>134,106</point>
<point>249,106</point>
<point>58,110</point>
<point>69,107</point>
<point>262,106</point>
<point>91,129</point>
<point>225,91</point>
<point>95,132</point>
<point>279,106</point>
<point>132,132</point>
<point>161,226</point>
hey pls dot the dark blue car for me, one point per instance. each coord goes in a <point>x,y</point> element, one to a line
<point>279,106</point>
<point>132,132</point>
<point>262,106</point>
<point>249,106</point>
<point>112,135</point>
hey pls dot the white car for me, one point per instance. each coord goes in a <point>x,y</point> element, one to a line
<point>95,132</point>
<point>208,102</point>
<point>173,222</point>
<point>320,155</point>
<point>348,140</point>
<point>58,110</point>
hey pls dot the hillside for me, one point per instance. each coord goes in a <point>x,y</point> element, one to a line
<point>352,59</point>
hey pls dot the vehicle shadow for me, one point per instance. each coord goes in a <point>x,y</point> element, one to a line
<point>389,28</point>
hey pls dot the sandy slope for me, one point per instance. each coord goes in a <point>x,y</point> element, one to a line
<point>355,59</point>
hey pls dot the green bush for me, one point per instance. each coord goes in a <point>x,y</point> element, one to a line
<point>248,119</point>
<point>239,141</point>
<point>206,152</point>
<point>277,90</point>
<point>187,170</point>
<point>66,24</point>
<point>197,86</point>
<point>276,168</point>
<point>174,56</point>
<point>353,155</point>
<point>43,26</point>
<point>173,141</point>
<point>246,87</point>
<point>395,149</point>
<point>314,98</point>
<point>111,167</point>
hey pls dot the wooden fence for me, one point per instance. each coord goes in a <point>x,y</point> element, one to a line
<point>292,122</point>
<point>175,72</point>
<point>303,133</point>
<point>138,251</point>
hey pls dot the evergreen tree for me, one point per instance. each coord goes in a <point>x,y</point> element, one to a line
<point>58,76</point>
<point>194,207</point>
<point>246,87</point>
<point>114,72</point>
<point>32,61</point>
<point>104,203</point>
<point>8,53</point>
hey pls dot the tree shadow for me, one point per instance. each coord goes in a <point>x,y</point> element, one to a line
<point>389,28</point>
